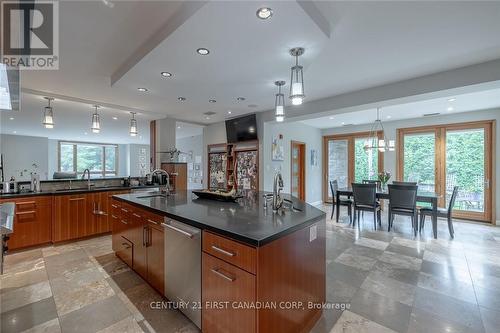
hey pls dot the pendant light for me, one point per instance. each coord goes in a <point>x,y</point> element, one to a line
<point>279,104</point>
<point>297,78</point>
<point>382,145</point>
<point>48,115</point>
<point>133,125</point>
<point>96,121</point>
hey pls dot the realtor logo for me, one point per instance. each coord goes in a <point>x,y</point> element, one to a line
<point>30,34</point>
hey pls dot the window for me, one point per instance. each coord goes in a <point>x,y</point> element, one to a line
<point>348,162</point>
<point>100,159</point>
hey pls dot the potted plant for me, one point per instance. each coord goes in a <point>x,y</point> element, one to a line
<point>384,177</point>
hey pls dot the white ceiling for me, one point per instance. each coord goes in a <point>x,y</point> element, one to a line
<point>462,103</point>
<point>371,43</point>
<point>72,122</point>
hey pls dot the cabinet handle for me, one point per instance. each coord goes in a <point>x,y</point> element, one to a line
<point>124,222</point>
<point>136,215</point>
<point>114,206</point>
<point>124,210</point>
<point>26,203</point>
<point>76,199</point>
<point>26,212</point>
<point>151,221</point>
<point>114,216</point>
<point>185,233</point>
<point>222,275</point>
<point>227,253</point>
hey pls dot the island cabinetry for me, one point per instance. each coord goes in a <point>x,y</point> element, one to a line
<point>138,239</point>
<point>32,221</point>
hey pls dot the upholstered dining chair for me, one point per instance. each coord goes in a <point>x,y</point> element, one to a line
<point>365,199</point>
<point>403,201</point>
<point>334,186</point>
<point>441,212</point>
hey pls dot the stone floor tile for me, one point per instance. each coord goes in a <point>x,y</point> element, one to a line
<point>491,320</point>
<point>450,287</point>
<point>25,295</point>
<point>398,291</point>
<point>10,282</point>
<point>347,274</point>
<point>28,316</point>
<point>372,243</point>
<point>356,261</point>
<point>51,326</point>
<point>422,321</point>
<point>396,272</point>
<point>127,325</point>
<point>401,260</point>
<point>407,251</point>
<point>488,298</point>
<point>351,322</point>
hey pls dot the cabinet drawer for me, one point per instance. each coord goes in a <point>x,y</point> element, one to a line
<point>125,250</point>
<point>31,203</point>
<point>221,283</point>
<point>154,219</point>
<point>228,250</point>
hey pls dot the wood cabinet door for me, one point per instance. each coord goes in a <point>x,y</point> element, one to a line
<point>32,222</point>
<point>102,223</point>
<point>156,257</point>
<point>91,222</point>
<point>70,216</point>
<point>221,283</point>
<point>138,235</point>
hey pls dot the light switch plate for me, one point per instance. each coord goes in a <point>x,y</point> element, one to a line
<point>313,233</point>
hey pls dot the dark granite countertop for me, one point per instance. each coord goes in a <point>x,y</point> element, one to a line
<point>245,220</point>
<point>73,191</point>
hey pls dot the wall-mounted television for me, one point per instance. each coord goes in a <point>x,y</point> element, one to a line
<point>241,129</point>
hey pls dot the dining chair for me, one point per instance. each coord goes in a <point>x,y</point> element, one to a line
<point>441,212</point>
<point>365,199</point>
<point>403,201</point>
<point>372,181</point>
<point>334,186</point>
<point>395,182</point>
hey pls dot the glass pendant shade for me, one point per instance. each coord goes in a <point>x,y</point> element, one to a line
<point>297,78</point>
<point>382,145</point>
<point>96,122</point>
<point>133,125</point>
<point>48,117</point>
<point>279,104</point>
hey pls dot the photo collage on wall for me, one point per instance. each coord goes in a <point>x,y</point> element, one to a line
<point>217,170</point>
<point>247,170</point>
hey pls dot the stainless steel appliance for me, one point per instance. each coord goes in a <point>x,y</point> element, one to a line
<point>183,268</point>
<point>7,210</point>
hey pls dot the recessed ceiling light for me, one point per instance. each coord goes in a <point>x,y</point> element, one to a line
<point>389,117</point>
<point>343,123</point>
<point>240,99</point>
<point>229,112</point>
<point>166,74</point>
<point>264,13</point>
<point>115,118</point>
<point>178,127</point>
<point>331,118</point>
<point>212,101</point>
<point>203,51</point>
<point>85,133</point>
<point>450,108</point>
<point>181,99</point>
<point>142,89</point>
<point>14,132</point>
<point>11,118</point>
<point>207,117</point>
<point>452,99</point>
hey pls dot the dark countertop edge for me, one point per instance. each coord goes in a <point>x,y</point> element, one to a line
<point>77,179</point>
<point>62,192</point>
<point>232,235</point>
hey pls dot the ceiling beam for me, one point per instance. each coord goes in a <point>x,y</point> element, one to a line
<point>315,14</point>
<point>483,76</point>
<point>186,10</point>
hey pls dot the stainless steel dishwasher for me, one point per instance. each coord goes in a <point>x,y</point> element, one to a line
<point>183,268</point>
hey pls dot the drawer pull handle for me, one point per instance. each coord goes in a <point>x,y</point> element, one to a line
<point>222,275</point>
<point>76,199</point>
<point>114,216</point>
<point>124,222</point>
<point>185,233</point>
<point>114,206</point>
<point>227,253</point>
<point>151,221</point>
<point>126,245</point>
<point>26,203</point>
<point>136,215</point>
<point>124,210</point>
<point>26,212</point>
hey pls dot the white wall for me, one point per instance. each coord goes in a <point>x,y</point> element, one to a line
<point>292,132</point>
<point>21,152</point>
<point>194,145</point>
<point>390,162</point>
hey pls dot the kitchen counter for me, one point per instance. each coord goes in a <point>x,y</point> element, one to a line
<point>245,220</point>
<point>73,191</point>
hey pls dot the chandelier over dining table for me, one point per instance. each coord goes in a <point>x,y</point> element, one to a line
<point>374,142</point>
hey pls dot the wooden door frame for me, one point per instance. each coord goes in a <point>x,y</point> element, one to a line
<point>440,162</point>
<point>302,167</point>
<point>351,158</point>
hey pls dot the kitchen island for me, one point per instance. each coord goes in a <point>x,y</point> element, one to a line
<point>260,271</point>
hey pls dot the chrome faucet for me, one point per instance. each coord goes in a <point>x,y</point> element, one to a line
<point>163,189</point>
<point>277,188</point>
<point>88,179</point>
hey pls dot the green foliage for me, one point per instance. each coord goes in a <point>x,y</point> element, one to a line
<point>366,162</point>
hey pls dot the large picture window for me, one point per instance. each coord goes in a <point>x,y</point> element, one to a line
<point>100,159</point>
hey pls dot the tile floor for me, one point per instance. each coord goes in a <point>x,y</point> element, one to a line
<point>377,281</point>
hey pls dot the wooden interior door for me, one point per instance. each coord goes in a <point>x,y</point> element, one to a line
<point>298,170</point>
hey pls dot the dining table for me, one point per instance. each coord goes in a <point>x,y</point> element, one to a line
<point>422,196</point>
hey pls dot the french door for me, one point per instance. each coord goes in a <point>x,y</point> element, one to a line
<point>441,157</point>
<point>346,160</point>
<point>298,170</point>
